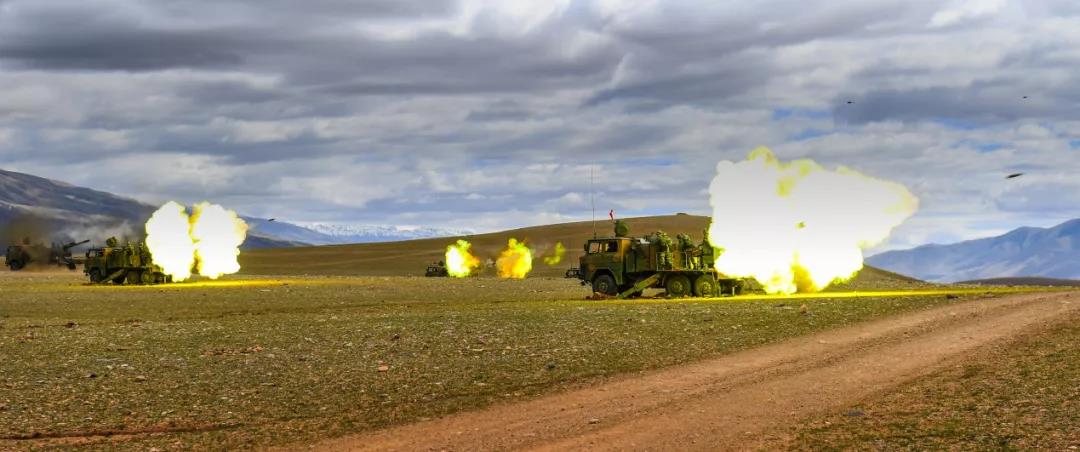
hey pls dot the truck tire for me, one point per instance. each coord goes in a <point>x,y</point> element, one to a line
<point>677,286</point>
<point>605,284</point>
<point>704,286</point>
<point>15,265</point>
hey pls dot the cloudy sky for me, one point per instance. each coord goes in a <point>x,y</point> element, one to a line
<point>493,114</point>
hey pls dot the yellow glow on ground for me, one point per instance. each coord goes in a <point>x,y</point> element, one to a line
<point>300,283</point>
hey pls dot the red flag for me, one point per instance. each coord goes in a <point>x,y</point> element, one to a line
<point>611,214</point>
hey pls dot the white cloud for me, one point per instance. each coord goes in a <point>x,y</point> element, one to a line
<point>491,114</point>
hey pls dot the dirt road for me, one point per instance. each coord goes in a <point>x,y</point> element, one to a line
<point>740,401</point>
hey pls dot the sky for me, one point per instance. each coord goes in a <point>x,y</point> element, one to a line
<point>488,115</point>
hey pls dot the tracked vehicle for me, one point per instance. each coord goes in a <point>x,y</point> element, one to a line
<point>123,264</point>
<point>624,266</point>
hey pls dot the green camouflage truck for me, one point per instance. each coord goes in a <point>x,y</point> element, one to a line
<point>625,266</point>
<point>123,264</point>
<point>20,255</point>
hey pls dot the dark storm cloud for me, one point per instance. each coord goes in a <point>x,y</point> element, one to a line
<point>84,37</point>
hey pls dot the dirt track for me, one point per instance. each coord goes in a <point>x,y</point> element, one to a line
<point>740,401</point>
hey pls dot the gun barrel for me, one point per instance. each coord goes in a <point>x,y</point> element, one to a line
<point>74,244</point>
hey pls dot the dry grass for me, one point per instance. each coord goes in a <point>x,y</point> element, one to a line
<point>1023,396</point>
<point>255,361</point>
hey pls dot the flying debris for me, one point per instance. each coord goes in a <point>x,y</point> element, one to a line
<point>1014,175</point>
<point>271,220</point>
<point>850,102</point>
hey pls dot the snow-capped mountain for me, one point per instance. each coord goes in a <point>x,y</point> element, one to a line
<point>356,233</point>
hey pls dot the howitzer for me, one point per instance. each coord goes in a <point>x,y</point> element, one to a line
<point>123,264</point>
<point>625,266</point>
<point>20,255</point>
<point>61,254</point>
<point>74,244</point>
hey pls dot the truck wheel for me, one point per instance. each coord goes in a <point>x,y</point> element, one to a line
<point>15,265</point>
<point>704,286</point>
<point>605,284</point>
<point>677,286</point>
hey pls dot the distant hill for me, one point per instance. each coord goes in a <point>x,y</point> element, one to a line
<point>1025,281</point>
<point>410,258</point>
<point>1024,252</point>
<point>344,233</point>
<point>336,234</point>
<point>44,209</point>
<point>413,256</point>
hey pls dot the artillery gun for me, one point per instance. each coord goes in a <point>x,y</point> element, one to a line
<point>437,269</point>
<point>625,266</point>
<point>20,255</point>
<point>123,264</point>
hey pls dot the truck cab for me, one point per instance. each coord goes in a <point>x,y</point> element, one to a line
<point>604,263</point>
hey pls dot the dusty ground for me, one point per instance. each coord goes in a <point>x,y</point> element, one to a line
<point>750,399</point>
<point>1022,395</point>
<point>255,361</point>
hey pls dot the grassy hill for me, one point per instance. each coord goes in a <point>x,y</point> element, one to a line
<point>410,258</point>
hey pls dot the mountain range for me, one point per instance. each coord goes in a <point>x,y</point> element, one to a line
<point>1044,252</point>
<point>46,210</point>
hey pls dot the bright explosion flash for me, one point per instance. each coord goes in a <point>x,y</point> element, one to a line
<point>796,226</point>
<point>557,257</point>
<point>218,234</point>
<point>208,240</point>
<point>515,261</point>
<point>459,261</point>
<point>169,240</point>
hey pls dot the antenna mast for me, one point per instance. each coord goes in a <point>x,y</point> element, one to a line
<point>592,199</point>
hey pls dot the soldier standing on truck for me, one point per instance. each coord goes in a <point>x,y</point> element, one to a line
<point>625,266</point>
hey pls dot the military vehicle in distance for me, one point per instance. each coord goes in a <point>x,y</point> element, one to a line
<point>23,254</point>
<point>437,269</point>
<point>126,264</point>
<point>625,266</point>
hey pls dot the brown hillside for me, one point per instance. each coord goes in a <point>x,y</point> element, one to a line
<point>410,258</point>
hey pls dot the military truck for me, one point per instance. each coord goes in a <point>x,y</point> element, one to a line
<point>20,255</point>
<point>123,264</point>
<point>437,269</point>
<point>625,266</point>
